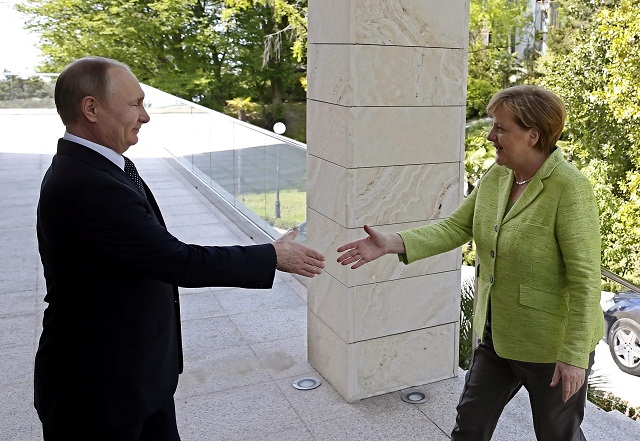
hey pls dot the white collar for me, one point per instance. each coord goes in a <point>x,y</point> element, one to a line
<point>111,155</point>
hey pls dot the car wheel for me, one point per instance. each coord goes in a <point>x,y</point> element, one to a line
<point>624,344</point>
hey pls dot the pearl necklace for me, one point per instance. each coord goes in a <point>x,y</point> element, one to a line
<point>521,182</point>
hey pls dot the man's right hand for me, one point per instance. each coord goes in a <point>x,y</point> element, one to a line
<point>296,258</point>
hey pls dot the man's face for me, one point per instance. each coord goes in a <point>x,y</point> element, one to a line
<point>119,118</point>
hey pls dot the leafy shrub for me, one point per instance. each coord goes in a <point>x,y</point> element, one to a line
<point>608,402</point>
<point>465,349</point>
<point>479,92</point>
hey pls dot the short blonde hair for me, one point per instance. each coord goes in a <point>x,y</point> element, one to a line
<point>533,107</point>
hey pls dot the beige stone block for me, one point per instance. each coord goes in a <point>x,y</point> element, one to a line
<point>399,306</point>
<point>331,132</point>
<point>333,194</point>
<point>329,74</point>
<point>374,367</point>
<point>456,347</point>
<point>404,360</point>
<point>433,23</point>
<point>330,300</point>
<point>356,75</point>
<point>331,21</point>
<point>326,236</point>
<point>376,310</point>
<point>382,195</point>
<point>382,136</point>
<point>462,130</point>
<point>328,354</point>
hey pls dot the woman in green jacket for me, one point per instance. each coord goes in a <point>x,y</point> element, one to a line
<point>534,219</point>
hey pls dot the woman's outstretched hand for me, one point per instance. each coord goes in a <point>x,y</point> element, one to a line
<point>368,249</point>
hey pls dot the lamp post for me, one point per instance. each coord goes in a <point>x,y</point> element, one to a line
<point>278,128</point>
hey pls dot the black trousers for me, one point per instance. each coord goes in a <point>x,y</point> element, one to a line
<point>159,426</point>
<point>492,382</point>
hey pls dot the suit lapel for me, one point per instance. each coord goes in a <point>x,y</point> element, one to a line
<point>154,205</point>
<point>530,193</point>
<point>99,162</point>
<point>504,189</point>
<point>534,188</point>
<point>95,160</point>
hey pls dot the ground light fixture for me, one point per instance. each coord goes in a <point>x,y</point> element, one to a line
<point>306,383</point>
<point>414,397</point>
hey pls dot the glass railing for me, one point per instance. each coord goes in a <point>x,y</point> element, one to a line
<point>262,174</point>
<point>613,277</point>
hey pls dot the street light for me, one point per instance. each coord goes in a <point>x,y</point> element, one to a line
<point>278,128</point>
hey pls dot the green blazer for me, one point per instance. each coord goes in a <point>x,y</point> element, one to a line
<point>539,263</point>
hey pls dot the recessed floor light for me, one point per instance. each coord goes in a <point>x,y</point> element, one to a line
<point>306,383</point>
<point>414,397</point>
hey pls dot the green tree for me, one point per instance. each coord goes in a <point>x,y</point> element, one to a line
<point>599,79</point>
<point>479,153</point>
<point>175,46</point>
<point>271,45</point>
<point>572,16</point>
<point>496,27</point>
<point>18,87</point>
<point>241,106</point>
<point>269,40</point>
<point>290,26</point>
<point>188,48</point>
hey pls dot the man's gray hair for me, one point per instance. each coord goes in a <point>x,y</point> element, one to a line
<point>84,77</point>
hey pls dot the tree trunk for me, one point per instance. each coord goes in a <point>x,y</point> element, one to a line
<point>276,90</point>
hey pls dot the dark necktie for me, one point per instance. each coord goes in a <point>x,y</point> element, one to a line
<point>130,169</point>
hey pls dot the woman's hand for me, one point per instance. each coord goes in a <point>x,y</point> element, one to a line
<point>370,248</point>
<point>572,379</point>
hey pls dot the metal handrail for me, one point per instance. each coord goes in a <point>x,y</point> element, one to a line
<point>616,278</point>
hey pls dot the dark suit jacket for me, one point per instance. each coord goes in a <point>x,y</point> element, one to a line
<point>110,350</point>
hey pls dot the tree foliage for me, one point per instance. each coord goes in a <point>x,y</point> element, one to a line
<point>599,79</point>
<point>572,16</point>
<point>241,106</point>
<point>496,27</point>
<point>479,153</point>
<point>289,23</point>
<point>206,51</point>
<point>270,41</point>
<point>15,87</point>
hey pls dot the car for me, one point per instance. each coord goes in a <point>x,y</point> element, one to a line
<point>622,329</point>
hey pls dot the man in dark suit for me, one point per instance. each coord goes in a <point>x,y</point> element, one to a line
<point>110,351</point>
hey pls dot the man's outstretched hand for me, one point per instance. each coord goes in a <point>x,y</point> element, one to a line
<point>296,258</point>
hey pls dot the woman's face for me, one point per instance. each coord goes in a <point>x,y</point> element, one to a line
<point>513,142</point>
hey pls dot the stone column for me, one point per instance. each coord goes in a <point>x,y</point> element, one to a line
<point>385,136</point>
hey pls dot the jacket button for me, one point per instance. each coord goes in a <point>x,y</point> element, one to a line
<point>493,254</point>
<point>490,279</point>
<point>495,228</point>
